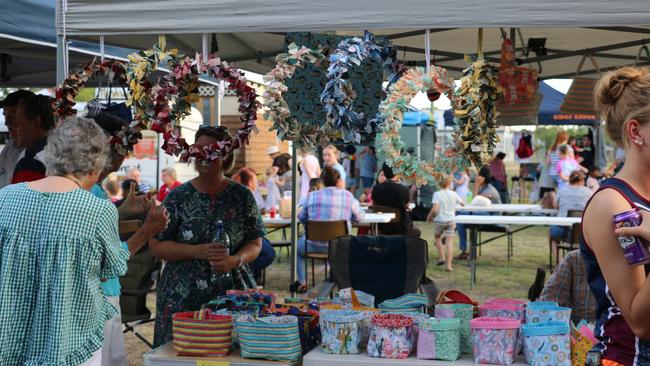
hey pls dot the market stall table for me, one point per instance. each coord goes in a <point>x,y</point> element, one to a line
<point>473,221</point>
<point>165,356</point>
<point>509,209</point>
<point>317,358</point>
<point>369,219</point>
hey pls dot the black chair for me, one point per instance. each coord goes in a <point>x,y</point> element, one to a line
<point>566,245</point>
<point>385,266</point>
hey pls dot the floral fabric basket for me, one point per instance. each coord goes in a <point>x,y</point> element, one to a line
<point>417,319</point>
<point>501,308</point>
<point>342,331</point>
<point>439,339</point>
<point>547,312</point>
<point>494,340</point>
<point>202,333</point>
<point>464,312</point>
<point>272,338</point>
<point>365,323</point>
<point>391,336</point>
<point>547,344</point>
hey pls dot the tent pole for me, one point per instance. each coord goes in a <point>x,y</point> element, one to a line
<point>60,57</point>
<point>294,215</point>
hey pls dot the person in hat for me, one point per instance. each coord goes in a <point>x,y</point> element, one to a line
<point>34,121</point>
<point>280,160</point>
<point>11,151</point>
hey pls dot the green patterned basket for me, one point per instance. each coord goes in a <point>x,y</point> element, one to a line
<point>273,338</point>
<point>463,312</point>
<point>439,339</point>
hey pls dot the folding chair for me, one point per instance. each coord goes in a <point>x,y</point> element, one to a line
<point>322,231</point>
<point>384,266</point>
<point>564,245</point>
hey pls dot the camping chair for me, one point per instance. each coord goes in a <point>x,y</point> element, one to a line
<point>385,266</point>
<point>322,231</point>
<point>573,242</point>
<point>142,270</point>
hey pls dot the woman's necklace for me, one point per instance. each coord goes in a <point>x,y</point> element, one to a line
<point>73,180</point>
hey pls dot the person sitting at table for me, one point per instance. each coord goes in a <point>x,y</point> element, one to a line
<point>485,190</point>
<point>392,193</point>
<point>328,204</point>
<point>186,245</point>
<point>568,287</point>
<point>170,181</point>
<point>571,198</point>
<point>58,242</point>
<point>246,177</point>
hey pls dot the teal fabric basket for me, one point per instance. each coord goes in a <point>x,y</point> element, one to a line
<point>547,343</point>
<point>547,312</point>
<point>439,339</point>
<point>463,312</point>
<point>413,303</point>
<point>274,338</point>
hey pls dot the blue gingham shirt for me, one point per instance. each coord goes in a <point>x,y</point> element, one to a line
<point>330,204</point>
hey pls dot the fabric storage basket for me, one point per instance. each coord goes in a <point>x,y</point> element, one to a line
<point>201,333</point>
<point>439,339</point>
<point>547,344</point>
<point>365,323</point>
<point>464,312</point>
<point>273,338</point>
<point>506,309</point>
<point>501,300</point>
<point>342,331</point>
<point>413,303</point>
<point>391,336</point>
<point>494,340</point>
<point>544,313</point>
<point>417,319</point>
<point>308,324</point>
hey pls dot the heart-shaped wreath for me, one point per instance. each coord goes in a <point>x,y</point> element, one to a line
<point>338,97</point>
<point>286,126</point>
<point>392,109</point>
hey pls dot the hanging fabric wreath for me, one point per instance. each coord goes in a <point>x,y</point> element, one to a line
<point>220,70</point>
<point>392,109</point>
<point>113,71</point>
<point>338,96</point>
<point>475,112</point>
<point>286,126</point>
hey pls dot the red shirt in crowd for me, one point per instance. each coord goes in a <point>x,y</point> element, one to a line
<point>164,190</point>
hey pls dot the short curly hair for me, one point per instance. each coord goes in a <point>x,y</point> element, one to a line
<point>78,147</point>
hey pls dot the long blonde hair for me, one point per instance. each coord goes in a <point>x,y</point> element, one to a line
<point>621,96</point>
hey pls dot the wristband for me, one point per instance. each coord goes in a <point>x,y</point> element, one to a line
<point>240,260</point>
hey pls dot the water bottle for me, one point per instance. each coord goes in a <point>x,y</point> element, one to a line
<point>469,197</point>
<point>221,237</point>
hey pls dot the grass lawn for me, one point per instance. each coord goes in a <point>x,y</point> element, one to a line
<point>496,276</point>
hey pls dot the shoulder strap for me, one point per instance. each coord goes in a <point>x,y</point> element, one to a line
<point>626,191</point>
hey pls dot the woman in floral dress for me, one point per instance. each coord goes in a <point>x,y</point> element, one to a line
<point>185,245</point>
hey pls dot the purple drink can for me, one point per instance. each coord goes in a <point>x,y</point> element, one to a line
<point>635,250</point>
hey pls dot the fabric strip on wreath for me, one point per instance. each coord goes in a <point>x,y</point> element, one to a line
<point>306,85</point>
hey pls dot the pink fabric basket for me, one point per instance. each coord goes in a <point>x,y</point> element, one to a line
<point>494,340</point>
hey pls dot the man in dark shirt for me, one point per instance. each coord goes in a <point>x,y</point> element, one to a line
<point>392,193</point>
<point>34,120</point>
<point>587,153</point>
<point>280,160</point>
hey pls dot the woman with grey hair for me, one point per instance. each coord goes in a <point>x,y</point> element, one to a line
<point>170,181</point>
<point>57,241</point>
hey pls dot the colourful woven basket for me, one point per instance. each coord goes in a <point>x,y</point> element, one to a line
<point>272,338</point>
<point>439,339</point>
<point>201,333</point>
<point>464,312</point>
<point>494,340</point>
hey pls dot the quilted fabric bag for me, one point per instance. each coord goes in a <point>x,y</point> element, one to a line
<point>342,331</point>
<point>391,336</point>
<point>413,303</point>
<point>494,340</point>
<point>272,338</point>
<point>464,312</point>
<point>201,333</point>
<point>439,339</point>
<point>547,344</point>
<point>545,312</point>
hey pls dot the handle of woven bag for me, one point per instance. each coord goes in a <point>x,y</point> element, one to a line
<point>643,49</point>
<point>355,299</point>
<point>582,63</point>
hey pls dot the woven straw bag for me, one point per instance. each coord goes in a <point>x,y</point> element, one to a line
<point>580,97</point>
<point>272,338</point>
<point>201,333</point>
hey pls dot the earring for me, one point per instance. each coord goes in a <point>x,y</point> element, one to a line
<point>639,142</point>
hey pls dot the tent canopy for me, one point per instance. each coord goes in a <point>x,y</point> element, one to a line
<point>250,32</point>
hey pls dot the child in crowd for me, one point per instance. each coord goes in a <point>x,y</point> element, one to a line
<point>566,165</point>
<point>594,178</point>
<point>273,192</point>
<point>461,183</point>
<point>443,214</point>
<point>331,158</point>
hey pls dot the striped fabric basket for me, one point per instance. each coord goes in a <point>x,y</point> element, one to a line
<point>201,333</point>
<point>272,338</point>
<point>413,303</point>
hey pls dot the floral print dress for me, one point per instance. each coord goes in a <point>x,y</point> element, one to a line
<point>185,285</point>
